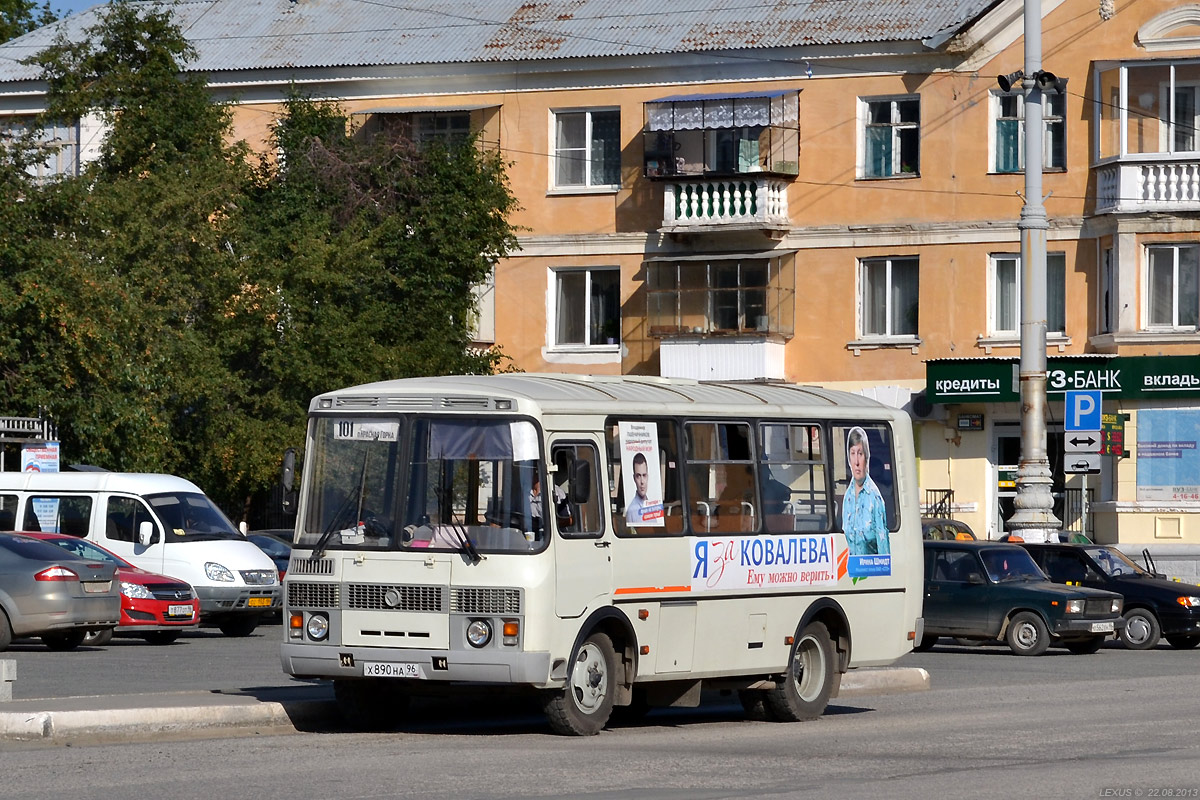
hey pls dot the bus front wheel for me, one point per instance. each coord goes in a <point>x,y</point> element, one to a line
<point>804,690</point>
<point>583,706</point>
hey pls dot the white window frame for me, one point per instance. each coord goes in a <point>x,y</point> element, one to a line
<point>62,154</point>
<point>553,310</point>
<point>1107,291</point>
<point>864,124</point>
<point>1166,95</point>
<point>889,312</point>
<point>1147,289</point>
<point>995,100</point>
<point>588,155</point>
<point>994,329</point>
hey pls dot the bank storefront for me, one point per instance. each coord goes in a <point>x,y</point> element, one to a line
<point>1141,487</point>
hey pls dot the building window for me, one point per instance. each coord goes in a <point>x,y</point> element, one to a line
<point>587,307</point>
<point>703,295</point>
<point>587,149</point>
<point>889,296</point>
<point>1108,292</point>
<point>1173,286</point>
<point>891,137</point>
<point>722,135</point>
<point>58,144</point>
<point>448,128</point>
<point>1008,143</point>
<point>1006,294</point>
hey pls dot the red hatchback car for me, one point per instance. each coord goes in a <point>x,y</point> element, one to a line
<point>155,607</point>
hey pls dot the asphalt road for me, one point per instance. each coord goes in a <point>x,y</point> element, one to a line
<point>1116,723</point>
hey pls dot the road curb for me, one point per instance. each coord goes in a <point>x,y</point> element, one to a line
<point>33,725</point>
<point>884,681</point>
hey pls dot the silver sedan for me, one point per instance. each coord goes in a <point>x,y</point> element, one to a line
<point>47,592</point>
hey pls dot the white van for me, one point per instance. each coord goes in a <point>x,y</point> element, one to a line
<point>160,523</point>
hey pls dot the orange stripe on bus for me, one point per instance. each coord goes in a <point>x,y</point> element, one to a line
<point>652,589</point>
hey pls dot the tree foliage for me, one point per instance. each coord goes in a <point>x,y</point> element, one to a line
<point>19,17</point>
<point>177,305</point>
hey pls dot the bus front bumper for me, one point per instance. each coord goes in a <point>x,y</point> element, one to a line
<point>490,665</point>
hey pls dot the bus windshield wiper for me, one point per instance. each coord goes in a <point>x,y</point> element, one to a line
<point>347,504</point>
<point>465,544</point>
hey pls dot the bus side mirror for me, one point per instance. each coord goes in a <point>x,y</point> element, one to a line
<point>581,482</point>
<point>145,533</point>
<point>287,480</point>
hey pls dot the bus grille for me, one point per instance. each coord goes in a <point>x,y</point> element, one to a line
<point>312,595</point>
<point>306,566</point>
<point>380,597</point>
<point>485,601</point>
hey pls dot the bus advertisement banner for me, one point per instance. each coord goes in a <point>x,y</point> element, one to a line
<point>764,562</point>
<point>639,451</point>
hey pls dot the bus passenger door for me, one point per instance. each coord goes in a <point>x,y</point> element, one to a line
<point>582,555</point>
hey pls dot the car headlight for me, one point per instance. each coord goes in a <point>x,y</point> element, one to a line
<point>1116,605</point>
<point>1075,606</point>
<point>217,572</point>
<point>479,632</point>
<point>1188,602</point>
<point>318,627</point>
<point>135,591</point>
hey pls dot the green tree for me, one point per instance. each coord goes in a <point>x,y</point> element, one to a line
<point>176,306</point>
<point>19,17</point>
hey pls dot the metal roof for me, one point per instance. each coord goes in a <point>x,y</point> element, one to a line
<point>297,34</point>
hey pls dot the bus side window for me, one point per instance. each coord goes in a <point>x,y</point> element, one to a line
<point>668,461</point>
<point>722,486</point>
<point>576,493</point>
<point>793,477</point>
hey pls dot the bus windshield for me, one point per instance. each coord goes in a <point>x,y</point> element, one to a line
<point>465,485</point>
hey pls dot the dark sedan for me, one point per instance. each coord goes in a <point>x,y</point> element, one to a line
<point>47,592</point>
<point>994,591</point>
<point>1154,606</point>
<point>277,544</point>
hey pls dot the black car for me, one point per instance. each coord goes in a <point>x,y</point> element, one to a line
<point>1154,606</point>
<point>994,591</point>
<point>277,544</point>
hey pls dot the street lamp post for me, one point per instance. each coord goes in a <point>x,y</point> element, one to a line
<point>1034,519</point>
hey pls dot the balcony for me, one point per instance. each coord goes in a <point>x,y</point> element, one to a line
<point>725,204</point>
<point>1149,182</point>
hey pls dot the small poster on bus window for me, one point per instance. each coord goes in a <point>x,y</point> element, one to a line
<point>642,481</point>
<point>864,515</point>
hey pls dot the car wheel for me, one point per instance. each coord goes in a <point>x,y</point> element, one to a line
<point>1141,629</point>
<point>1183,642</point>
<point>64,641</point>
<point>1085,647</point>
<point>5,632</point>
<point>583,706</point>
<point>370,705</point>
<point>160,637</point>
<point>927,642</point>
<point>239,627</point>
<point>805,688</point>
<point>98,638</point>
<point>1027,634</point>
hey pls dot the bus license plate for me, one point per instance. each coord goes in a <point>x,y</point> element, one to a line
<point>1102,627</point>
<point>379,669</point>
<point>179,611</point>
<point>258,601</point>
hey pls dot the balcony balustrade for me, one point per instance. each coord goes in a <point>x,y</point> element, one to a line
<point>1148,183</point>
<point>736,203</point>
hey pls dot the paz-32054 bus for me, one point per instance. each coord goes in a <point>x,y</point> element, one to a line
<point>604,541</point>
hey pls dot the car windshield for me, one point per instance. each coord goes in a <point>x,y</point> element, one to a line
<point>191,517</point>
<point>1113,562</point>
<point>1004,564</point>
<point>88,551</point>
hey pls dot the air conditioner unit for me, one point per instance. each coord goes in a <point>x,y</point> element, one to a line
<point>924,411</point>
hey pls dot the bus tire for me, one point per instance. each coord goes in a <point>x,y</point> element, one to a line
<point>370,705</point>
<point>583,706</point>
<point>804,690</point>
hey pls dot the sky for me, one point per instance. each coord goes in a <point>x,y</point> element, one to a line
<point>65,7</point>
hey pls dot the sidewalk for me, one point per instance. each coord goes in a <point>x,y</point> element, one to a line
<point>296,708</point>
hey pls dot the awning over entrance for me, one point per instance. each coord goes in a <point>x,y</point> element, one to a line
<point>995,380</point>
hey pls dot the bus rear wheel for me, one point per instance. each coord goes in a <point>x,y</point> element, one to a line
<point>584,705</point>
<point>804,690</point>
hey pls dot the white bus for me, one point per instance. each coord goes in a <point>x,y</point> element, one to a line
<point>605,541</point>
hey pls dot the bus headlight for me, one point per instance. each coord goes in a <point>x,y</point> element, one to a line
<point>479,632</point>
<point>318,627</point>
